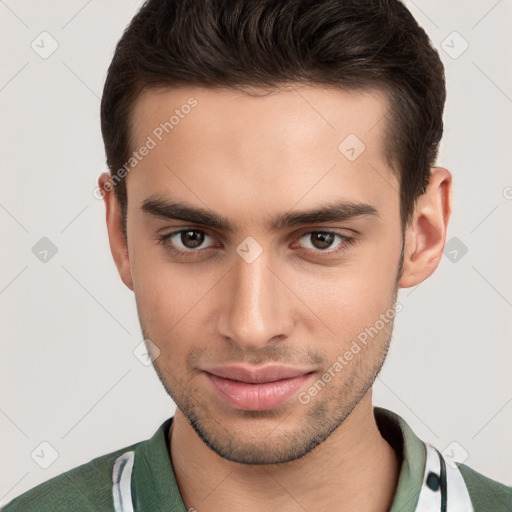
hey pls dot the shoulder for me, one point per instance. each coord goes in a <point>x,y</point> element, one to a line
<point>86,488</point>
<point>486,494</point>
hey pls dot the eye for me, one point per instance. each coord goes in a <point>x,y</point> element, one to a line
<point>190,243</point>
<point>184,241</point>
<point>320,241</point>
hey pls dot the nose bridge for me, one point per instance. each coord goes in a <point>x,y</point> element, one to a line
<point>255,307</point>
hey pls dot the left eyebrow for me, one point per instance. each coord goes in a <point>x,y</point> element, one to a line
<point>331,212</point>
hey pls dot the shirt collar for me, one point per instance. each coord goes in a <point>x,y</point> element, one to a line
<point>411,453</point>
<point>154,485</point>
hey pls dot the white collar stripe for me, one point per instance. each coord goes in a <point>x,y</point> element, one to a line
<point>430,498</point>
<point>122,480</point>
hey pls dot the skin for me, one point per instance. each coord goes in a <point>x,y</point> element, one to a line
<point>250,157</point>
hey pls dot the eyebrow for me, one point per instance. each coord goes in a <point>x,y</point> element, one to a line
<point>330,212</point>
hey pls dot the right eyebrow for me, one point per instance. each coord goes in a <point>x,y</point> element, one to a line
<point>181,211</point>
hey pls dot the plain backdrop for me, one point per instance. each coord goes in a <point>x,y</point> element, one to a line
<point>68,375</point>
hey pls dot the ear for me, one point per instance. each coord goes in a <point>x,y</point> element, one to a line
<point>426,233</point>
<point>117,242</point>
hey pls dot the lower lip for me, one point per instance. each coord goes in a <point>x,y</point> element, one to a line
<point>256,397</point>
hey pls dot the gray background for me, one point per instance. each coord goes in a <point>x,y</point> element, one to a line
<point>69,377</point>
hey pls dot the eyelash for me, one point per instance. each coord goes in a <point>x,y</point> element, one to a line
<point>346,242</point>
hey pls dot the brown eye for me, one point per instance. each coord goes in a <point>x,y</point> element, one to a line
<point>186,241</point>
<point>192,239</point>
<point>322,240</point>
<point>323,243</point>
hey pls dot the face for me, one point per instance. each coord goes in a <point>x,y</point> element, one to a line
<point>264,284</point>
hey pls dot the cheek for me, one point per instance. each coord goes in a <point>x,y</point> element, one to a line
<point>170,299</point>
<point>163,310</point>
<point>165,297</point>
<point>346,308</point>
<point>352,297</point>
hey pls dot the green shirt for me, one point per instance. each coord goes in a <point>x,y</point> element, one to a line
<point>143,480</point>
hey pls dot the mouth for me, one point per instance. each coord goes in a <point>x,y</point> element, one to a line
<point>259,389</point>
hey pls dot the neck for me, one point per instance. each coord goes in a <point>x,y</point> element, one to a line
<point>354,469</point>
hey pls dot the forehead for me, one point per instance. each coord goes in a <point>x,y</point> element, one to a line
<point>254,150</point>
<point>263,110</point>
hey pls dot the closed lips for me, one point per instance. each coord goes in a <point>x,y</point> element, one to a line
<point>257,376</point>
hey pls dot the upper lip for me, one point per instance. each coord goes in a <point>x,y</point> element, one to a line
<point>254,375</point>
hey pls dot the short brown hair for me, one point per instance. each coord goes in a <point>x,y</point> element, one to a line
<point>349,44</point>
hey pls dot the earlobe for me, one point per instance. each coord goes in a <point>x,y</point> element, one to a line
<point>426,233</point>
<point>117,242</point>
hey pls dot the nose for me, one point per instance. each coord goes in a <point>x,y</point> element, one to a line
<point>257,307</point>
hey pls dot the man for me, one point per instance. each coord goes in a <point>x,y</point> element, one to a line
<point>272,186</point>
